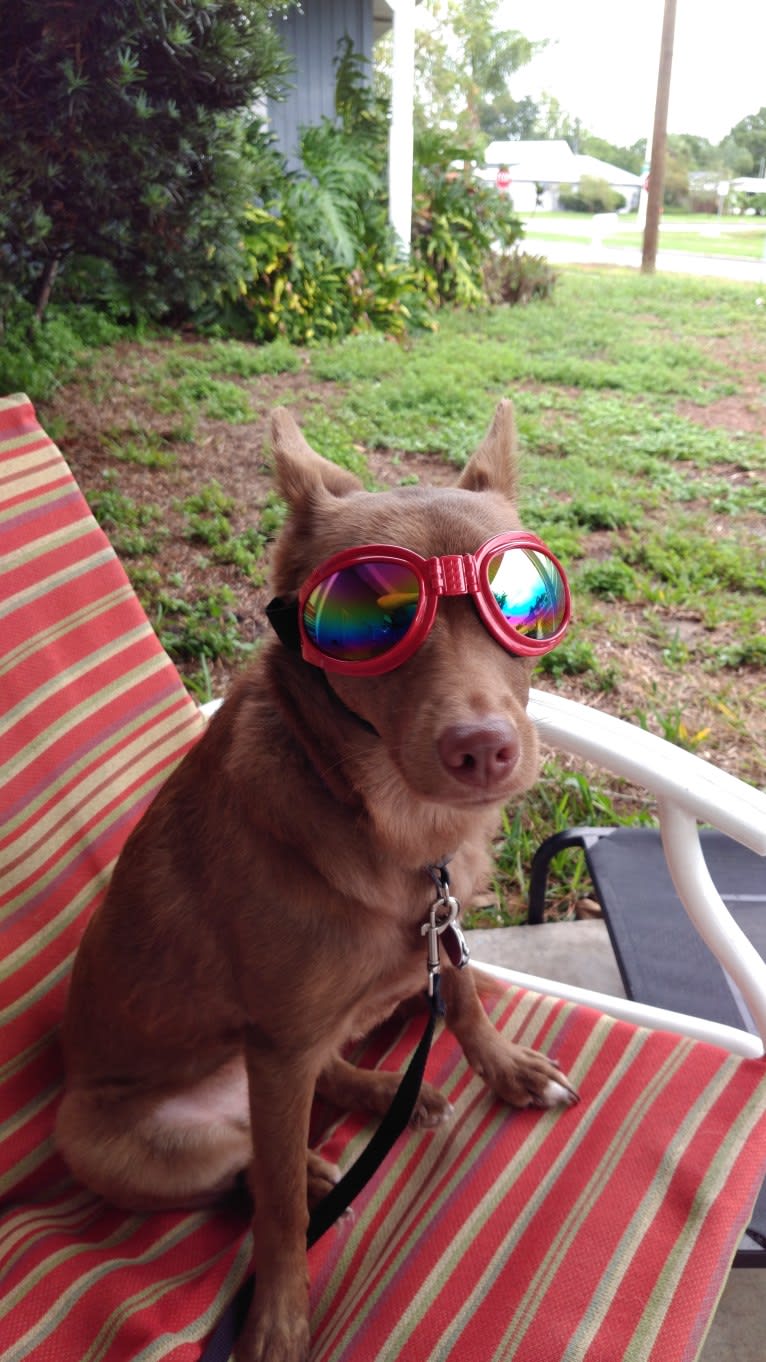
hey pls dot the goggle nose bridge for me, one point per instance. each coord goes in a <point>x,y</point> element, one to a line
<point>454,574</point>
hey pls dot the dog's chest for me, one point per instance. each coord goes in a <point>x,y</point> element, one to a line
<point>397,971</point>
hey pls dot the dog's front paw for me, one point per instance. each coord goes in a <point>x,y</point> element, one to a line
<point>527,1078</point>
<point>431,1109</point>
<point>274,1335</point>
<point>321,1178</point>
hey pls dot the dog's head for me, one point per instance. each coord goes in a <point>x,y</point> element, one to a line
<point>452,714</point>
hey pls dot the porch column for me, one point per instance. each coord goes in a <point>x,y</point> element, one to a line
<point>401,133</point>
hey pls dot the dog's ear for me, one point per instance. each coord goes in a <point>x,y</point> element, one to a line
<point>493,467</point>
<point>301,472</point>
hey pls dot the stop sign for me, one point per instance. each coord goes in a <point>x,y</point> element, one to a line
<point>503,179</point>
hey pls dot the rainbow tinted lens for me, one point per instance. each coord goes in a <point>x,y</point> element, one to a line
<point>530,591</point>
<point>362,611</point>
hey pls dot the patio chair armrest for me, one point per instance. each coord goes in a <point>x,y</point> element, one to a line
<point>687,789</point>
<point>666,771</point>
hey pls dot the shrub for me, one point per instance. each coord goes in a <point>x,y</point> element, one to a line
<point>255,252</point>
<point>701,201</point>
<point>456,222</point>
<point>515,277</point>
<point>591,196</point>
<point>37,357</point>
<point>123,131</point>
<point>319,257</point>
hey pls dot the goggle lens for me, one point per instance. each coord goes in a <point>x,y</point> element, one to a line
<point>530,592</point>
<point>362,611</point>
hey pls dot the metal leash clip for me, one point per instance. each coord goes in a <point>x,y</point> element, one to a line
<point>442,917</point>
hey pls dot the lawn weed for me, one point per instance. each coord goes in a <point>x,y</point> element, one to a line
<point>133,528</point>
<point>560,798</point>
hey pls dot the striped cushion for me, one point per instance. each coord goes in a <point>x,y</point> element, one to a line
<point>598,1233</point>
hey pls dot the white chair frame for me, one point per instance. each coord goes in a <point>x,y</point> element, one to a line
<point>688,791</point>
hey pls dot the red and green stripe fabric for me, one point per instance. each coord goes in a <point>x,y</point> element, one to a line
<point>598,1233</point>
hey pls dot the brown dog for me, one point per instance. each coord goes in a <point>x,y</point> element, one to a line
<point>270,903</point>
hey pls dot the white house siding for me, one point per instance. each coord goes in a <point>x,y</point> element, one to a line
<point>311,36</point>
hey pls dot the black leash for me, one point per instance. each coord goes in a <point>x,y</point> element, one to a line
<point>221,1342</point>
<point>394,1123</point>
<point>442,922</point>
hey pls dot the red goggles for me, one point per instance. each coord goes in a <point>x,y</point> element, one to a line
<point>366,610</point>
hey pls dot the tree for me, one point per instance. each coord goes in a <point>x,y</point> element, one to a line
<point>750,136</point>
<point>627,158</point>
<point>554,122</point>
<point>464,63</point>
<point>506,119</point>
<point>737,159</point>
<point>125,136</point>
<point>676,191</point>
<point>697,153</point>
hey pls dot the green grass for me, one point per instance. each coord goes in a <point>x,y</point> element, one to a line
<point>199,630</point>
<point>633,470</point>
<point>561,798</point>
<point>737,237</point>
<point>733,245</point>
<point>142,450</point>
<point>133,527</point>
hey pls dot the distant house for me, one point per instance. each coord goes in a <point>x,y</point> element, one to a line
<point>540,169</point>
<point>748,185</point>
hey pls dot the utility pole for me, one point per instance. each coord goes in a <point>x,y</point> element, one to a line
<point>659,141</point>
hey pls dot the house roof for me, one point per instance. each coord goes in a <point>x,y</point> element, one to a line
<point>545,160</point>
<point>750,184</point>
<point>604,170</point>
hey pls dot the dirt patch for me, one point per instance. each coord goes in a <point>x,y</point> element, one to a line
<point>743,412</point>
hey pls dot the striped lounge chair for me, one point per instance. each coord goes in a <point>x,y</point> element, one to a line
<point>602,1233</point>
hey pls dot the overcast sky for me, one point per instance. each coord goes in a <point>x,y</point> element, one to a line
<point>602,66</point>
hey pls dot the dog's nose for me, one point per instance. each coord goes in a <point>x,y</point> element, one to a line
<point>480,754</point>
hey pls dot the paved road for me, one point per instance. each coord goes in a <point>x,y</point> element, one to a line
<point>670,262</point>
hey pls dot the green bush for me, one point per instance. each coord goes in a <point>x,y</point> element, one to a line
<point>457,221</point>
<point>319,257</point>
<point>37,357</point>
<point>591,196</point>
<point>265,254</point>
<point>515,277</point>
<point>125,140</point>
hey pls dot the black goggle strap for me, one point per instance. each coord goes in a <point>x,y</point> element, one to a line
<point>282,615</point>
